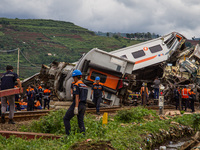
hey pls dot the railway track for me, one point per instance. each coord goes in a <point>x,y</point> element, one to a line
<point>29,115</point>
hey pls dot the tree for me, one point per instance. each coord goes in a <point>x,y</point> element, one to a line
<point>107,34</point>
<point>128,35</point>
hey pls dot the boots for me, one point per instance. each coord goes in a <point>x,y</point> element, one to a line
<point>3,118</point>
<point>11,121</point>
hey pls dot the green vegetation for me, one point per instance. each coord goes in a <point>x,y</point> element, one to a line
<point>130,135</point>
<point>37,37</point>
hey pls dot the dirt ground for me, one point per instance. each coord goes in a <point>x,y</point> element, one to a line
<point>13,127</point>
<point>100,145</point>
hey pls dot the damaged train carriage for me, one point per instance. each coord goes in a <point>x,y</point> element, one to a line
<point>152,56</point>
<point>111,69</point>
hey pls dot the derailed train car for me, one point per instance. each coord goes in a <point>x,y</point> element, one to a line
<point>110,68</point>
<point>148,58</point>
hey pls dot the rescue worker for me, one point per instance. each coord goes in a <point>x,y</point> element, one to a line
<point>185,97</point>
<point>156,88</point>
<point>47,95</point>
<point>40,94</point>
<point>30,94</point>
<point>8,82</point>
<point>72,85</point>
<point>192,98</point>
<point>78,106</point>
<point>17,99</point>
<point>37,105</point>
<point>144,93</point>
<point>176,96</point>
<point>97,90</point>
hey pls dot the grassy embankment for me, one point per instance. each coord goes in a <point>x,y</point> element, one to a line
<point>36,38</point>
<point>129,129</point>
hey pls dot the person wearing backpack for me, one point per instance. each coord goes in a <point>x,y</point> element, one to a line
<point>78,107</point>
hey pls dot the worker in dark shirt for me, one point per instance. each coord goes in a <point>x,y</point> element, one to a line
<point>47,94</point>
<point>30,94</point>
<point>40,94</point>
<point>8,82</point>
<point>78,107</point>
<point>97,92</point>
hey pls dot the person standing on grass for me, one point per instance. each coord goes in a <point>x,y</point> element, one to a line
<point>97,92</point>
<point>78,106</point>
<point>8,82</point>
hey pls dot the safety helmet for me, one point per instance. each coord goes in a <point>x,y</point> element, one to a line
<point>76,73</point>
<point>97,78</point>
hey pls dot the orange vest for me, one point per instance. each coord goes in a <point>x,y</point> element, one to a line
<point>184,93</point>
<point>37,104</point>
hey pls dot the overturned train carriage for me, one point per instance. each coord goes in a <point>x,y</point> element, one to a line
<point>111,69</point>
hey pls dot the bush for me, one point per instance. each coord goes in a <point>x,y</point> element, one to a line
<point>134,115</point>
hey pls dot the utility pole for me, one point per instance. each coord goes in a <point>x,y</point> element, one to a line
<point>18,62</point>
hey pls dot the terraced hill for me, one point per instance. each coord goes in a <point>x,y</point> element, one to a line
<point>43,41</point>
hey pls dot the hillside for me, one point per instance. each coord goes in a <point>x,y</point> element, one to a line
<point>42,41</point>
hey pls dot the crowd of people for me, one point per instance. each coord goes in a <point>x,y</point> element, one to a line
<point>34,98</point>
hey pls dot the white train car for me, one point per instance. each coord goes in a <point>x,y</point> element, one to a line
<point>151,52</point>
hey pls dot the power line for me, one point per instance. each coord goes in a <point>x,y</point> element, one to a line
<point>7,51</point>
<point>29,60</point>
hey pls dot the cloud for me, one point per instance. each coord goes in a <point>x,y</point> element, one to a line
<point>131,16</point>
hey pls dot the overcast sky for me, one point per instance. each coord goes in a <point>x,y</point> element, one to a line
<point>155,16</point>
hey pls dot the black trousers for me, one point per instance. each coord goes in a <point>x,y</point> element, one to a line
<point>70,114</point>
<point>97,101</point>
<point>46,102</point>
<point>30,105</point>
<point>40,99</point>
<point>177,102</point>
<point>192,104</point>
<point>18,106</point>
<point>185,103</point>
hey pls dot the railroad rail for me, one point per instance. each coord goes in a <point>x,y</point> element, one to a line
<point>29,115</point>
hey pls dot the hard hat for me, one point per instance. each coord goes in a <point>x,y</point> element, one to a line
<point>97,78</point>
<point>76,73</point>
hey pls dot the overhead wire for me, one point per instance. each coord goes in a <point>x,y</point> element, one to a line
<point>7,51</point>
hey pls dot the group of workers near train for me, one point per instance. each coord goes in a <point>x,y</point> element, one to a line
<point>31,100</point>
<point>79,93</point>
<point>184,95</point>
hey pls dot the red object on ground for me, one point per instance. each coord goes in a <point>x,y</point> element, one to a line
<point>28,135</point>
<point>10,92</point>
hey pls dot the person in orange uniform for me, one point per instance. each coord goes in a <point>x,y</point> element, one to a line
<point>185,97</point>
<point>144,93</point>
<point>37,105</point>
<point>47,94</point>
<point>78,107</point>
<point>192,98</point>
<point>30,94</point>
<point>98,92</point>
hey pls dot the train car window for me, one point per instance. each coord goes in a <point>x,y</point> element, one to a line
<point>102,76</point>
<point>169,42</point>
<point>155,49</point>
<point>123,56</point>
<point>138,54</point>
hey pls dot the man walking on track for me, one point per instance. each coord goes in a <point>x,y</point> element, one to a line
<point>8,82</point>
<point>98,92</point>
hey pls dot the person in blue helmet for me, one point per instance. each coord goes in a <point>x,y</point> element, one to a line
<point>78,106</point>
<point>97,92</point>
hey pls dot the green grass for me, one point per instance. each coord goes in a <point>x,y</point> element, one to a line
<point>123,132</point>
<point>37,37</point>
